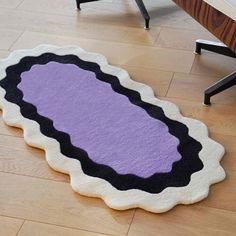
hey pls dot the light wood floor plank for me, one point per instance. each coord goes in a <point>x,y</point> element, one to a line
<point>9,226</point>
<point>123,54</point>
<point>181,39</point>
<point>219,118</point>
<point>222,196</point>
<point>163,12</point>
<point>191,87</point>
<point>10,3</point>
<point>38,229</point>
<point>56,203</point>
<point>8,37</point>
<point>17,157</point>
<point>211,64</point>
<point>185,221</point>
<point>70,26</point>
<point>3,54</point>
<point>157,80</point>
<point>229,160</point>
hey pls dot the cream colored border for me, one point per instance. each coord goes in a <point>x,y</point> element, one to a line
<point>198,187</point>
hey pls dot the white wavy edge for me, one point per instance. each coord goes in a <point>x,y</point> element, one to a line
<point>196,190</point>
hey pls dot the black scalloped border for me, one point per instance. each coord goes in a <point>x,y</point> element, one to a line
<point>189,148</point>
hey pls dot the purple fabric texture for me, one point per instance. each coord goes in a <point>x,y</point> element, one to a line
<point>111,129</point>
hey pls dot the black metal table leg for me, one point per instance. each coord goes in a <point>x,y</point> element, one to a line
<point>144,12</point>
<point>220,86</point>
<point>219,48</point>
<point>140,4</point>
<point>78,2</point>
<point>224,83</point>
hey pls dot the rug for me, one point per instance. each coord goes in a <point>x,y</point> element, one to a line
<point>115,139</point>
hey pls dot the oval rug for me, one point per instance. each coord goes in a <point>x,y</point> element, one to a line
<point>115,139</point>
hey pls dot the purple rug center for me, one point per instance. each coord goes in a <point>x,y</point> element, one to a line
<point>111,129</point>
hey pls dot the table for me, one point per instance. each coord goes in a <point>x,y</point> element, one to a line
<point>218,17</point>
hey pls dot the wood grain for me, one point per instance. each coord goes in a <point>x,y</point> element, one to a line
<point>3,54</point>
<point>161,58</point>
<point>38,229</point>
<point>182,82</point>
<point>185,221</point>
<point>222,26</point>
<point>219,118</point>
<point>172,38</point>
<point>121,54</point>
<point>28,161</point>
<point>9,226</point>
<point>210,64</point>
<point>55,203</point>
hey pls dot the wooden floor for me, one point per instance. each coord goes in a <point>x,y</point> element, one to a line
<point>34,199</point>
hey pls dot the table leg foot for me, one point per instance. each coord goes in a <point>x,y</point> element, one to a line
<point>218,87</point>
<point>216,47</point>
<point>78,5</point>
<point>144,12</point>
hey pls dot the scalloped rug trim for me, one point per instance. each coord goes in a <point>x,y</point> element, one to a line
<point>198,187</point>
